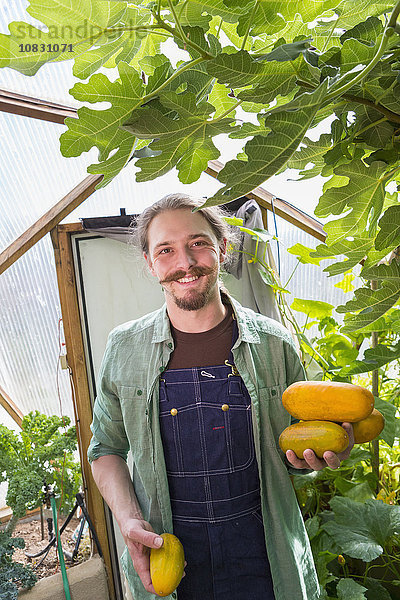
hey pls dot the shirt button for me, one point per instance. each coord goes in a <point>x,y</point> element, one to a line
<point>273,392</point>
<point>169,345</point>
<point>139,392</point>
<point>174,412</point>
<point>161,369</point>
<point>225,407</point>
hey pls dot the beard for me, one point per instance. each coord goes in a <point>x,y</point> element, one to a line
<point>194,299</point>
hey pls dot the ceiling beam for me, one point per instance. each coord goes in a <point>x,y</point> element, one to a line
<point>48,221</point>
<point>27,106</point>
<point>15,413</point>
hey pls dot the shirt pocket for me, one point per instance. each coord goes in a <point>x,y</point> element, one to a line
<point>274,417</point>
<point>135,415</point>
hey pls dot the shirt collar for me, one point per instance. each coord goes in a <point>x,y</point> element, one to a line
<point>245,320</point>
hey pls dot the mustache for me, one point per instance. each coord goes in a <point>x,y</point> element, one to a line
<point>195,272</point>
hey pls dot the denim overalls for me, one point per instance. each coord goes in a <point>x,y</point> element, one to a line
<point>206,428</point>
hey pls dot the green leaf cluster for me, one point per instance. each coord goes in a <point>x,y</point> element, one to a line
<point>42,450</point>
<point>13,573</point>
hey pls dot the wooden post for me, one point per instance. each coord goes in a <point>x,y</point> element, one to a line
<point>82,406</point>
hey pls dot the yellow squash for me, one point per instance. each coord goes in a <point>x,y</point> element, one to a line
<point>167,564</point>
<point>368,429</point>
<point>328,401</point>
<point>320,436</point>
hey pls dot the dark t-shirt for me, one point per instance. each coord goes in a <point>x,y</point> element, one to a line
<point>205,349</point>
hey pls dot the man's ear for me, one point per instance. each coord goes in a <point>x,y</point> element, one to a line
<point>149,263</point>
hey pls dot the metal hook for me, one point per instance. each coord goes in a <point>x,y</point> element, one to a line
<point>234,369</point>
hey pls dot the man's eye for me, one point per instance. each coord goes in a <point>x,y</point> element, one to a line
<point>165,250</point>
<point>199,243</point>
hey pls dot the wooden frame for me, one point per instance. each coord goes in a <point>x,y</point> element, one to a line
<point>61,239</point>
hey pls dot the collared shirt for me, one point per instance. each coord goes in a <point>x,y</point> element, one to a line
<point>125,418</point>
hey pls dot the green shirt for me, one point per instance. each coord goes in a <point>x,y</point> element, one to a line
<point>126,418</point>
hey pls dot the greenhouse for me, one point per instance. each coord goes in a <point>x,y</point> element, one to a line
<point>200,300</point>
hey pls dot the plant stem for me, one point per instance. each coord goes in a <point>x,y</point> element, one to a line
<point>205,55</point>
<point>238,103</point>
<point>178,25</point>
<point>168,81</point>
<point>219,27</point>
<point>392,116</point>
<point>334,26</point>
<point>292,273</point>
<point>246,35</point>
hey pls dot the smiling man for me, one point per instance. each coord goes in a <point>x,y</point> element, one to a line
<point>194,390</point>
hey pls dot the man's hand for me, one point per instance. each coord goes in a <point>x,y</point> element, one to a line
<point>330,459</point>
<point>139,537</point>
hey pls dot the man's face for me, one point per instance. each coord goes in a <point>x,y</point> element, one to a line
<point>184,256</point>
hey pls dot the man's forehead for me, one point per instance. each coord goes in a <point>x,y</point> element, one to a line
<point>177,225</point>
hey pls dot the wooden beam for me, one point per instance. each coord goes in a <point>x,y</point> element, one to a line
<point>27,106</point>
<point>15,413</point>
<point>48,221</point>
<point>72,326</point>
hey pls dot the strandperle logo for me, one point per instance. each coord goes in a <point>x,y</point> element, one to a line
<point>85,31</point>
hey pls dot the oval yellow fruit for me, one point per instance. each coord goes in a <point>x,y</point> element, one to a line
<point>368,429</point>
<point>320,436</point>
<point>166,565</point>
<point>328,401</point>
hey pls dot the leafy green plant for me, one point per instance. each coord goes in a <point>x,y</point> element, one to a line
<point>356,548</point>
<point>42,450</point>
<point>13,573</point>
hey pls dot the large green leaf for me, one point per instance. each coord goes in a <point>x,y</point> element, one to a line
<point>389,234</point>
<point>348,589</point>
<point>363,195</point>
<point>185,142</point>
<point>314,309</point>
<point>373,358</point>
<point>267,154</point>
<point>271,15</point>
<point>349,11</point>
<point>71,24</point>
<point>303,254</point>
<point>311,152</point>
<point>211,7</point>
<point>367,31</point>
<point>267,78</point>
<point>363,530</point>
<point>101,128</point>
<point>383,272</point>
<point>372,304</point>
<point>123,45</point>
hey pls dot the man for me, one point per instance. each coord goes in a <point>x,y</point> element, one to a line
<point>193,390</point>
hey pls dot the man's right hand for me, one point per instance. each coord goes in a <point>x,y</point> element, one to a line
<point>139,537</point>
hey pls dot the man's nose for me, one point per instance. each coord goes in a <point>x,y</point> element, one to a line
<point>185,258</point>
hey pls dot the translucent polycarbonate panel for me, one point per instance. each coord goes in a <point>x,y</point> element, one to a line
<point>30,334</point>
<point>33,173</point>
<point>307,281</point>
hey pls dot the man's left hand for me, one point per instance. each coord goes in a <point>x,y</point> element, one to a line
<point>330,459</point>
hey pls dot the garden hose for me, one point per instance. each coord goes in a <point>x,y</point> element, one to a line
<point>60,550</point>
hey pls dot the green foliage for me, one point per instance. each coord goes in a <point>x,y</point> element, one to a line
<point>13,573</point>
<point>40,451</point>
